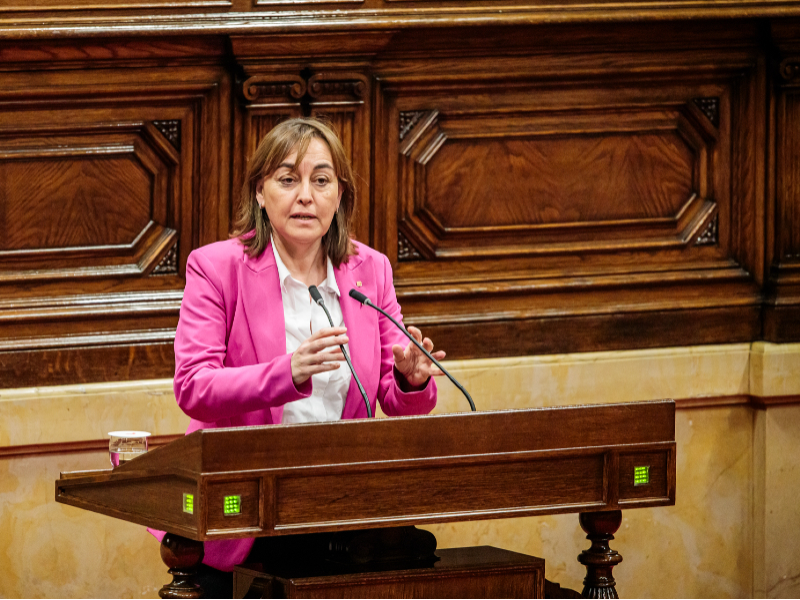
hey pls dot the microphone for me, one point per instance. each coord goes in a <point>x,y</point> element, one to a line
<point>317,297</point>
<point>366,301</point>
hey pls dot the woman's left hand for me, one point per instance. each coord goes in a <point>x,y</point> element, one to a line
<point>413,364</point>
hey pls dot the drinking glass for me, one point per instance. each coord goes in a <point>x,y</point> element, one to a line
<point>126,445</point>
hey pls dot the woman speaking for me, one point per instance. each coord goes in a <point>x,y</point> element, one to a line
<point>252,347</point>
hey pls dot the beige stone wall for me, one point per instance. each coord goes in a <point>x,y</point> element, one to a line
<point>732,533</point>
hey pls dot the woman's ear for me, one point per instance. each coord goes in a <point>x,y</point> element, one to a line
<point>260,192</point>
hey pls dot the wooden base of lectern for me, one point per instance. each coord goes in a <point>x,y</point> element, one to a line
<point>477,572</point>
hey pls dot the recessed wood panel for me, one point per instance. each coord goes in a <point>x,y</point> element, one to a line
<point>547,180</point>
<point>83,201</point>
<point>471,488</point>
<point>103,198</point>
<point>614,178</point>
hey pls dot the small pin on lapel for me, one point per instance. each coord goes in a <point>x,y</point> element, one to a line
<point>358,284</point>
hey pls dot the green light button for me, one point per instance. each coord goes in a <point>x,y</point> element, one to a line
<point>641,475</point>
<point>233,506</point>
<point>188,503</point>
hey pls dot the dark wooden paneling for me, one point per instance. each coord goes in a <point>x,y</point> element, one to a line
<point>782,308</point>
<point>107,186</point>
<point>538,188</point>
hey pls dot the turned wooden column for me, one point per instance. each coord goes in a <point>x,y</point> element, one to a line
<point>182,556</point>
<point>599,560</point>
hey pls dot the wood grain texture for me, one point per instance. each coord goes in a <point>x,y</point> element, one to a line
<point>561,187</point>
<point>476,488</point>
<point>487,183</point>
<point>400,471</point>
<point>106,190</point>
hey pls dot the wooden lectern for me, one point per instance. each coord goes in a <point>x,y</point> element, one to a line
<point>367,474</point>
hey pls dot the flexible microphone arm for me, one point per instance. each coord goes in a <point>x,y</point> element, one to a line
<point>366,301</point>
<point>317,297</point>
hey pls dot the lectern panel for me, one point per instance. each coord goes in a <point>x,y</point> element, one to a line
<point>232,505</point>
<point>643,475</point>
<point>413,492</point>
<point>137,499</point>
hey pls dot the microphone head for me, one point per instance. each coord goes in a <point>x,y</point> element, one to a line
<point>315,295</point>
<point>354,293</point>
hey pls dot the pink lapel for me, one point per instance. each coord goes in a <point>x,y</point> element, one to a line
<point>363,333</point>
<point>263,306</point>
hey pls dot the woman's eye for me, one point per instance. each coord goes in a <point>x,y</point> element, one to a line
<point>287,180</point>
<point>322,181</point>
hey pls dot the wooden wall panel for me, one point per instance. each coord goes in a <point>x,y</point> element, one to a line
<point>538,188</point>
<point>105,189</point>
<point>782,306</point>
<point>558,201</point>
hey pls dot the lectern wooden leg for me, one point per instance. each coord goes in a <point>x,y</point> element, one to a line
<point>599,560</point>
<point>182,556</point>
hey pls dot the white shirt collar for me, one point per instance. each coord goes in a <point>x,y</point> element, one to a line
<point>283,273</point>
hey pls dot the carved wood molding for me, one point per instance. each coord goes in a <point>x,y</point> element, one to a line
<point>255,21</point>
<point>259,88</point>
<point>710,108</point>
<point>170,130</point>
<point>439,225</point>
<point>168,264</point>
<point>709,235</point>
<point>408,120</point>
<point>133,153</point>
<point>322,85</point>
<point>405,250</point>
<point>790,69</point>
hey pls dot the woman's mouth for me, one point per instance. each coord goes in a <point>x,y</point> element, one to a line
<point>304,217</point>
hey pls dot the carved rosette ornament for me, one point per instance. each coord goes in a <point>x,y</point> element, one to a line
<point>408,120</point>
<point>710,108</point>
<point>709,237</point>
<point>168,264</point>
<point>170,130</point>
<point>405,251</point>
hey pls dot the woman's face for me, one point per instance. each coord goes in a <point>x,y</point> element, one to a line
<point>301,200</point>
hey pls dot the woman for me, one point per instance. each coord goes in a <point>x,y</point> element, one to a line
<point>251,347</point>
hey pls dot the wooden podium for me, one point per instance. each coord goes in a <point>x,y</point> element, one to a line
<point>365,474</point>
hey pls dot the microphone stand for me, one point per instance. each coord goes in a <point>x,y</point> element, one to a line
<point>317,297</point>
<point>366,301</point>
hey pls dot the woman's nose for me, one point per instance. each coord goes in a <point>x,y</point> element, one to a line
<point>304,193</point>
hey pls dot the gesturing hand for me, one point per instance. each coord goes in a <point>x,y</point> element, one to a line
<point>318,354</point>
<point>413,364</point>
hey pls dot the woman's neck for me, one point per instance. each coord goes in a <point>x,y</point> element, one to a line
<point>306,265</point>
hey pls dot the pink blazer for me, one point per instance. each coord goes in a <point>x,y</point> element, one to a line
<point>231,365</point>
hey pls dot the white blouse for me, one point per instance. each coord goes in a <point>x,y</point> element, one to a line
<point>303,317</point>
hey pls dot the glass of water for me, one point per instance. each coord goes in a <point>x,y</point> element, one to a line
<point>126,445</point>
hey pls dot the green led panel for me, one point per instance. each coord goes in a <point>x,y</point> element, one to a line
<point>641,475</point>
<point>188,503</point>
<point>233,505</point>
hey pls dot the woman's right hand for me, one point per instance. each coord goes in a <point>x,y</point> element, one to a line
<point>318,354</point>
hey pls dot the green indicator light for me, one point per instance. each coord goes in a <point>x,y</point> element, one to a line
<point>641,475</point>
<point>188,503</point>
<point>233,505</point>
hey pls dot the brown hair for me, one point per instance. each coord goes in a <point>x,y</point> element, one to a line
<point>282,140</point>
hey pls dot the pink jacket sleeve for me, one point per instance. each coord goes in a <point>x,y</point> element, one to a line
<point>394,401</point>
<point>205,389</point>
